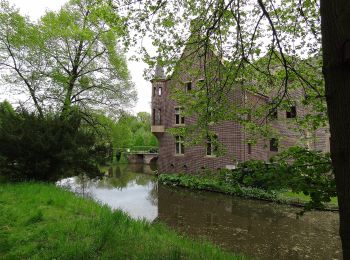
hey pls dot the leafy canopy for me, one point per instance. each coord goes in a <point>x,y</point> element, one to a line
<point>71,57</point>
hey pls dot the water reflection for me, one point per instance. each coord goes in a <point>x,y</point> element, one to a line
<point>254,228</point>
<point>124,187</point>
<point>251,227</point>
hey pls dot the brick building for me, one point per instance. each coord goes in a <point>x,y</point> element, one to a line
<point>175,157</point>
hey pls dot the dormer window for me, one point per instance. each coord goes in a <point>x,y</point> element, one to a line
<point>273,145</point>
<point>200,82</point>
<point>188,86</point>
<point>292,113</point>
<point>273,113</point>
<point>249,116</point>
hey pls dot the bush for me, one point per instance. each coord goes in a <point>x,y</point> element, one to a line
<point>118,154</point>
<point>256,174</point>
<point>309,172</point>
<point>297,169</point>
<point>35,148</point>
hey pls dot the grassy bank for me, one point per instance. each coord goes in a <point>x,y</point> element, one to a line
<point>44,221</point>
<point>202,182</point>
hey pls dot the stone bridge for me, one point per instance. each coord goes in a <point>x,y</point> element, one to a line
<point>142,157</point>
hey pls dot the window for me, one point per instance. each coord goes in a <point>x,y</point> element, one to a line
<point>179,145</point>
<point>249,148</point>
<point>179,119</point>
<point>156,118</point>
<point>188,86</point>
<point>154,91</point>
<point>273,113</point>
<point>200,83</point>
<point>249,116</point>
<point>159,118</point>
<point>159,91</point>
<point>292,113</point>
<point>212,145</point>
<point>273,145</point>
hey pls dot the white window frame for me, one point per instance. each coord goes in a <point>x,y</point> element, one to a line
<point>213,148</point>
<point>179,145</point>
<point>178,115</point>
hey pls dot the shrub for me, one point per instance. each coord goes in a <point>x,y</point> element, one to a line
<point>118,154</point>
<point>36,148</point>
<point>296,169</point>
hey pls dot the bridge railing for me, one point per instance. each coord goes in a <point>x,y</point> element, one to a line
<point>139,149</point>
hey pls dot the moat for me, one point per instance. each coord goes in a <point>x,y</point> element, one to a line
<point>253,228</point>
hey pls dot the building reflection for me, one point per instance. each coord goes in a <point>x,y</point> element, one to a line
<point>254,228</point>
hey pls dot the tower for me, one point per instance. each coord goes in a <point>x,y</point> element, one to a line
<point>159,93</point>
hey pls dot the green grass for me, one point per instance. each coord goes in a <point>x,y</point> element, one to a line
<point>41,221</point>
<point>302,198</point>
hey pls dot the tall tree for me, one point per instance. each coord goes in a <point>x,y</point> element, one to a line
<point>72,57</point>
<point>241,32</point>
<point>128,131</point>
<point>336,69</point>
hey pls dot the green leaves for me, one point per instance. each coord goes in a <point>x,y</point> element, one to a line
<point>297,170</point>
<point>128,131</point>
<point>70,57</point>
<point>35,148</point>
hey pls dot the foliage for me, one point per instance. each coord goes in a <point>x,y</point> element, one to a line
<point>309,172</point>
<point>118,154</point>
<point>296,169</point>
<point>257,46</point>
<point>45,148</point>
<point>242,31</point>
<point>68,58</point>
<point>128,131</point>
<point>216,183</point>
<point>65,226</point>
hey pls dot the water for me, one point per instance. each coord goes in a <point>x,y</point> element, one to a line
<point>254,228</point>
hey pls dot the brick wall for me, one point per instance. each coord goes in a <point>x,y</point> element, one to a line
<point>231,134</point>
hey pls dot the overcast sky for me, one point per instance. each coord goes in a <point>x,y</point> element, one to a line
<point>36,8</point>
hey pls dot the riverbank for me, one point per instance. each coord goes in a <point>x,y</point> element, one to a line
<point>200,182</point>
<point>44,221</point>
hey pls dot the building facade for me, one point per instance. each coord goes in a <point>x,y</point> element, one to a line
<point>175,157</point>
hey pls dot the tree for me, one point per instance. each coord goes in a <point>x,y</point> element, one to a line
<point>289,31</point>
<point>128,131</point>
<point>44,148</point>
<point>336,70</point>
<point>68,58</point>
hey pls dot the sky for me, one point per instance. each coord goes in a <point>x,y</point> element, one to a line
<point>36,8</point>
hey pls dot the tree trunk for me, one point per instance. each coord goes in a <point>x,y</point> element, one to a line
<point>67,100</point>
<point>335,16</point>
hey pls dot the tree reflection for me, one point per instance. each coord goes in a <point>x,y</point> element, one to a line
<point>153,194</point>
<point>121,176</point>
<point>252,227</point>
